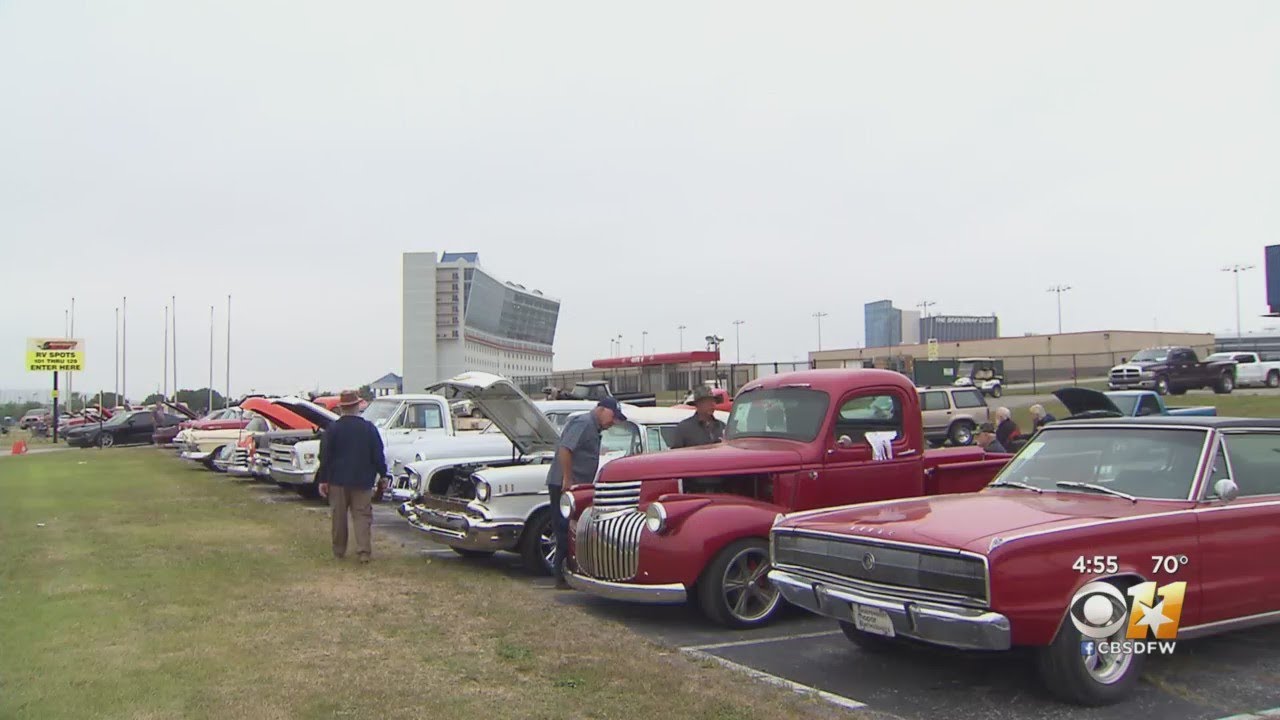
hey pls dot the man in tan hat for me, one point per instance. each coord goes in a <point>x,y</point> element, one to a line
<point>702,428</point>
<point>351,461</point>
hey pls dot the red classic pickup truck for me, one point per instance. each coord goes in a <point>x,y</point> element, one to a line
<point>1101,542</point>
<point>659,528</point>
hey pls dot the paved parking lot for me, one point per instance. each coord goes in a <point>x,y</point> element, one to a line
<point>1229,676</point>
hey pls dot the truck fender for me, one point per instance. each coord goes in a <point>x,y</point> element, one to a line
<point>698,529</point>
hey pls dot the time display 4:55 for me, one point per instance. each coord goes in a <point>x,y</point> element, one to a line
<point>1096,565</point>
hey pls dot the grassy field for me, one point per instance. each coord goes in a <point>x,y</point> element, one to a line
<point>1234,405</point>
<point>135,587</point>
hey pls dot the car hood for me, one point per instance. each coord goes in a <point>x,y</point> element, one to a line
<point>508,408</point>
<point>219,424</point>
<point>313,413</point>
<point>1079,401</point>
<point>971,521</point>
<point>746,454</point>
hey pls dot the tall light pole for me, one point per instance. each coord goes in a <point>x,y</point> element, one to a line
<point>226,399</point>
<point>1233,269</point>
<point>71,395</point>
<point>644,335</point>
<point>1059,289</point>
<point>166,353</point>
<point>116,375</point>
<point>681,329</point>
<point>924,306</point>
<point>819,315</point>
<point>124,346</point>
<point>737,340</point>
<point>210,405</point>
<point>173,302</point>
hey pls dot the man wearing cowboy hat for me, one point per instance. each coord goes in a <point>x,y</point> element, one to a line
<point>351,461</point>
<point>701,428</point>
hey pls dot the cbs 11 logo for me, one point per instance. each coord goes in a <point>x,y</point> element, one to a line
<point>1099,611</point>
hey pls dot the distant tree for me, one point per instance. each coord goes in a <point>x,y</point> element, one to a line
<point>366,392</point>
<point>154,398</point>
<point>198,400</point>
<point>17,410</point>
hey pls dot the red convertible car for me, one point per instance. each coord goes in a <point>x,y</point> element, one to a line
<point>1101,542</point>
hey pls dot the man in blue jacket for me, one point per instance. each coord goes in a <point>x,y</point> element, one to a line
<point>351,461</point>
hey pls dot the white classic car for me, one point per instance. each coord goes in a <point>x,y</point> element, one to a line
<point>240,459</point>
<point>479,507</point>
<point>413,427</point>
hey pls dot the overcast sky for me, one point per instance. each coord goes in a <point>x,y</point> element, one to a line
<point>663,164</point>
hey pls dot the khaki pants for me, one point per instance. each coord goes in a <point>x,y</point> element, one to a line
<point>358,502</point>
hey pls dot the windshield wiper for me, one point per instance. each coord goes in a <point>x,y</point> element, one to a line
<point>1098,488</point>
<point>1014,483</point>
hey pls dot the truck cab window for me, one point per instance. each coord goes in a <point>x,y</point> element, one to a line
<point>1148,406</point>
<point>421,416</point>
<point>869,413</point>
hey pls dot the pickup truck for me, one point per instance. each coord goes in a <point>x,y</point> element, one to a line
<point>1083,402</point>
<point>1172,370</point>
<point>694,522</point>
<point>1250,368</point>
<point>599,389</point>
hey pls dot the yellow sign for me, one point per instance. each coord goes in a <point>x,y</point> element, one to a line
<point>933,349</point>
<point>55,354</point>
<point>1160,618</point>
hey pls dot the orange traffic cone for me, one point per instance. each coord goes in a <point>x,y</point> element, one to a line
<point>19,447</point>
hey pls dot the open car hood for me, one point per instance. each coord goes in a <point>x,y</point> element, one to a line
<point>503,403</point>
<point>1081,401</point>
<point>315,414</point>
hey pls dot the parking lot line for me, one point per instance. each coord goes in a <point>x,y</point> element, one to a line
<point>838,700</point>
<point>1260,715</point>
<point>756,641</point>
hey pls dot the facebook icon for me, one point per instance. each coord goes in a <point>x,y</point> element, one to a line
<point>1086,648</point>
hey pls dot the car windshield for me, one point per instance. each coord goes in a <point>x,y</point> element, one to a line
<point>623,437</point>
<point>1151,355</point>
<point>1126,404</point>
<point>119,419</point>
<point>380,411</point>
<point>790,413</point>
<point>1144,462</point>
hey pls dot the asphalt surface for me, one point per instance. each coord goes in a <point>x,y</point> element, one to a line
<point>1227,676</point>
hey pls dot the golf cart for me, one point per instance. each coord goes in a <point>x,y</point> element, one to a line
<point>986,374</point>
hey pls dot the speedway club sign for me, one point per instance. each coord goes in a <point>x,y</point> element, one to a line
<point>55,354</point>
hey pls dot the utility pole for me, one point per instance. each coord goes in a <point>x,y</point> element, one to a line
<point>737,339</point>
<point>1059,289</point>
<point>116,375</point>
<point>924,306</point>
<point>71,394</point>
<point>644,335</point>
<point>166,352</point>
<point>819,315</point>
<point>1233,269</point>
<point>681,328</point>
<point>173,302</point>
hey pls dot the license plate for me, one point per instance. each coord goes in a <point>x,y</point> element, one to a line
<point>872,620</point>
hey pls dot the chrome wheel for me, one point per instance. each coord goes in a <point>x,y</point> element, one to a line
<point>106,440</point>
<point>748,594</point>
<point>547,546</point>
<point>1107,668</point>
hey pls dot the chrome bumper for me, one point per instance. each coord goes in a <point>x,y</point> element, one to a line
<point>463,531</point>
<point>947,625</point>
<point>1144,384</point>
<point>292,476</point>
<point>196,455</point>
<point>673,594</point>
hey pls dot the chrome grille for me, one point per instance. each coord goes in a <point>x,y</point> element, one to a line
<point>239,456</point>
<point>608,548</point>
<point>610,497</point>
<point>282,454</point>
<point>935,571</point>
<point>1125,374</point>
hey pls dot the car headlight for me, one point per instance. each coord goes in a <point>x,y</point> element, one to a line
<point>308,459</point>
<point>415,479</point>
<point>483,491</point>
<point>655,518</point>
<point>566,505</point>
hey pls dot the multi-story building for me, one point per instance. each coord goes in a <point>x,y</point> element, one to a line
<point>959,328</point>
<point>882,323</point>
<point>460,317</point>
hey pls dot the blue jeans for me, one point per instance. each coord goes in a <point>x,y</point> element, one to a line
<point>561,524</point>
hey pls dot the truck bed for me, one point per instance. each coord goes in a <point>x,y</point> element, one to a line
<point>960,469</point>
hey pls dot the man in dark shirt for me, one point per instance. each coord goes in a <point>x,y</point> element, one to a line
<point>701,428</point>
<point>576,461</point>
<point>986,439</point>
<point>351,461</point>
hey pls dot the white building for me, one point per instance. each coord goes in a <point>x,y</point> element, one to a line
<point>459,317</point>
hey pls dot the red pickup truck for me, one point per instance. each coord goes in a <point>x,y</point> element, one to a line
<point>664,527</point>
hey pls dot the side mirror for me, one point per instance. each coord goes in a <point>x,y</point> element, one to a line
<point>844,442</point>
<point>1226,490</point>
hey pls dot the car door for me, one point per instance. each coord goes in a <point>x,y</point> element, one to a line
<point>1182,370</point>
<point>935,412</point>
<point>852,471</point>
<point>1248,369</point>
<point>1238,538</point>
<point>415,420</point>
<point>137,429</point>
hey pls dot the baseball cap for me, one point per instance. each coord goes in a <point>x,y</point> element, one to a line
<point>987,428</point>
<point>612,404</point>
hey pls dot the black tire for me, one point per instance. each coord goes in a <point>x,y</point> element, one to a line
<point>868,642</point>
<point>475,413</point>
<point>1226,383</point>
<point>310,492</point>
<point>538,542</point>
<point>1162,385</point>
<point>473,553</point>
<point>1065,671</point>
<point>960,433</point>
<point>106,440</point>
<point>997,391</point>
<point>743,567</point>
<point>1273,379</point>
